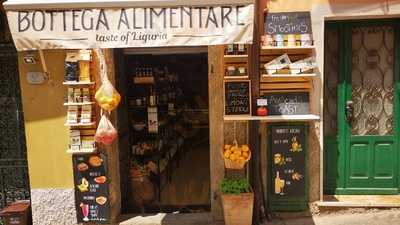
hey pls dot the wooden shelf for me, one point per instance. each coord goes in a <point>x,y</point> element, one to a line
<point>76,83</point>
<point>79,124</point>
<point>288,47</point>
<point>279,118</point>
<point>236,77</point>
<point>290,50</point>
<point>82,151</point>
<point>78,103</point>
<point>236,56</point>
<point>289,75</point>
<point>231,59</point>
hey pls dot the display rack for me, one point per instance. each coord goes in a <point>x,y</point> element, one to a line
<point>80,124</point>
<point>78,83</point>
<point>82,151</point>
<point>233,59</point>
<point>78,103</point>
<point>283,80</point>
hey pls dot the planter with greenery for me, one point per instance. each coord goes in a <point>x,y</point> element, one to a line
<point>237,201</point>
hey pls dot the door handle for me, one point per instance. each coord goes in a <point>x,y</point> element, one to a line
<point>349,111</point>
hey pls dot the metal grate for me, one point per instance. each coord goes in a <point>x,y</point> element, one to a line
<point>14,181</point>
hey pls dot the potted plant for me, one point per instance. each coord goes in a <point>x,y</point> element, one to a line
<point>237,201</point>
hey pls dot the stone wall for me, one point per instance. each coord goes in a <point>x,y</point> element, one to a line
<point>53,206</point>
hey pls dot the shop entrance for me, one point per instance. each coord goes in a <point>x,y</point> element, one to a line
<point>164,138</point>
<point>361,117</point>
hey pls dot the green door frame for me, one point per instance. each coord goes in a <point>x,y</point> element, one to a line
<point>345,93</point>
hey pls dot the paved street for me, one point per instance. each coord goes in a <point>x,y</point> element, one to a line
<point>371,217</point>
<point>386,217</point>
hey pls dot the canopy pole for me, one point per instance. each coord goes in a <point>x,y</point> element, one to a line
<point>44,66</point>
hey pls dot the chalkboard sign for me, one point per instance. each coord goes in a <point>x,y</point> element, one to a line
<point>289,103</point>
<point>288,23</point>
<point>288,160</point>
<point>237,98</point>
<point>91,188</point>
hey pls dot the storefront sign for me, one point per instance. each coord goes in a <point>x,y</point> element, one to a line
<point>290,103</point>
<point>237,98</point>
<point>288,160</point>
<point>288,23</point>
<point>131,27</point>
<point>91,188</point>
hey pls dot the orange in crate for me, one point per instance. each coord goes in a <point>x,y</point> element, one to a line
<point>236,156</point>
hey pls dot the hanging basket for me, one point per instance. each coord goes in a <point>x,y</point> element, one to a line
<point>235,164</point>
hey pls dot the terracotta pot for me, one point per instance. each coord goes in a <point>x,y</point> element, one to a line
<point>238,209</point>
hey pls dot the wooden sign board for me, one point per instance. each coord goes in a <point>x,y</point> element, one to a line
<point>237,97</point>
<point>288,23</point>
<point>92,201</point>
<point>288,159</point>
<point>288,103</point>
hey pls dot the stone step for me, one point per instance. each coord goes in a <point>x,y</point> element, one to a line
<point>361,201</point>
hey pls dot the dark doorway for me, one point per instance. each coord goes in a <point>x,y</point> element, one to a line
<point>165,163</point>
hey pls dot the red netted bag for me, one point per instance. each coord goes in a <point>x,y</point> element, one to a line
<point>105,133</point>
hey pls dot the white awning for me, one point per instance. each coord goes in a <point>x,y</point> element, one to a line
<point>82,4</point>
<point>77,24</point>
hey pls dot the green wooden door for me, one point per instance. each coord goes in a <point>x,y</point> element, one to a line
<point>362,153</point>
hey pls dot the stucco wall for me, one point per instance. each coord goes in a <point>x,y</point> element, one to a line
<point>46,135</point>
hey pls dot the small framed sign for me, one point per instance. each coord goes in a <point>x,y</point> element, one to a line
<point>288,23</point>
<point>288,103</point>
<point>237,97</point>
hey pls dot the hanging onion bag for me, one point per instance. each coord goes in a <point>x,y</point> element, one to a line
<point>105,133</point>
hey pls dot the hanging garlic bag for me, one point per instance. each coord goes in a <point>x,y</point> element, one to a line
<point>105,133</point>
<point>106,96</point>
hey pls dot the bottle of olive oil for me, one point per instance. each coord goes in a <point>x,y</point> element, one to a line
<point>278,189</point>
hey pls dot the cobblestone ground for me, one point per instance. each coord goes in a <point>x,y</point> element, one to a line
<point>360,217</point>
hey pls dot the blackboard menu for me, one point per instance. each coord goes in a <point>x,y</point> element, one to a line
<point>91,188</point>
<point>237,98</point>
<point>289,103</point>
<point>288,23</point>
<point>288,160</point>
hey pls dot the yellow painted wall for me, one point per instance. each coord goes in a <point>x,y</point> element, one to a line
<point>46,135</point>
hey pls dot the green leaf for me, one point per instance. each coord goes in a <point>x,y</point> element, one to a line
<point>235,186</point>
